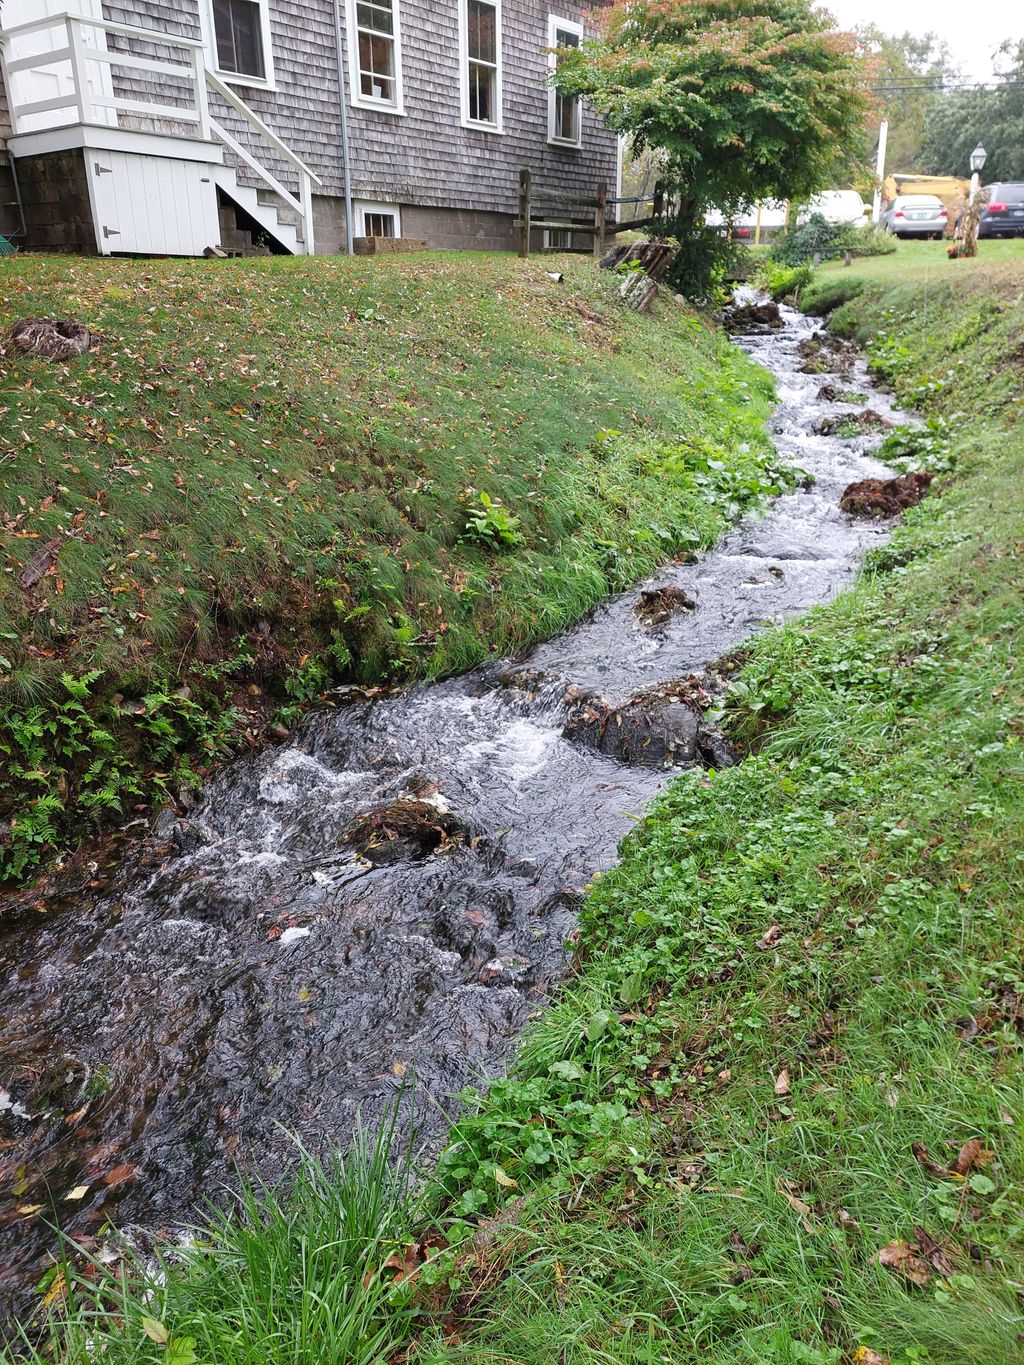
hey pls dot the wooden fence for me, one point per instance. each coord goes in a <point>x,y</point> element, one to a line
<point>547,210</point>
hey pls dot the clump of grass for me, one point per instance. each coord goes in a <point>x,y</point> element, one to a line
<point>293,1275</point>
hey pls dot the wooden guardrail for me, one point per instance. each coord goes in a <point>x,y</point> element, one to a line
<point>566,211</point>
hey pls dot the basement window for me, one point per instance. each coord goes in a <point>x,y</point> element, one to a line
<point>480,48</point>
<point>565,112</point>
<point>241,41</point>
<point>375,55</point>
<point>378,220</point>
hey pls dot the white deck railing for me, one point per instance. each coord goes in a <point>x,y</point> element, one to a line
<point>69,52</point>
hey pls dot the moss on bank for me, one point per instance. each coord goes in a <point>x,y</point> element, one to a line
<point>277,474</point>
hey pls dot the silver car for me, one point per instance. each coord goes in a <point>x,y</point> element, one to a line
<point>916,215</point>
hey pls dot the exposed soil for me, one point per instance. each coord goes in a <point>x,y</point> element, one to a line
<point>886,497</point>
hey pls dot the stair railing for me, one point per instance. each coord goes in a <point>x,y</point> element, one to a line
<point>303,205</point>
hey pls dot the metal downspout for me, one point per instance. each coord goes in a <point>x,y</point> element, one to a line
<point>19,202</point>
<point>346,164</point>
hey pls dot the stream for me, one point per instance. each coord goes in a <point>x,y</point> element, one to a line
<point>389,895</point>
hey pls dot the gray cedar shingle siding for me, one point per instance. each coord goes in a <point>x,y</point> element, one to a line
<point>426,157</point>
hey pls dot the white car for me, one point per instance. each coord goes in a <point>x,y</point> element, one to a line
<point>745,222</point>
<point>836,206</point>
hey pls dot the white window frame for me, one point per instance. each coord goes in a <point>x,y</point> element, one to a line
<point>556,25</point>
<point>549,233</point>
<point>356,97</point>
<point>209,30</point>
<point>498,125</point>
<point>361,207</point>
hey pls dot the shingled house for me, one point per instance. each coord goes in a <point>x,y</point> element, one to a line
<point>171,126</point>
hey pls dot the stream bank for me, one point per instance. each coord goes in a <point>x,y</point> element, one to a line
<point>390,895</point>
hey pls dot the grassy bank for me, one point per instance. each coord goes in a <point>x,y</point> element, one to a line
<point>274,475</point>
<point>776,1114</point>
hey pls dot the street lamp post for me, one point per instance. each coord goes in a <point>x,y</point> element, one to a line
<point>978,159</point>
<point>965,238</point>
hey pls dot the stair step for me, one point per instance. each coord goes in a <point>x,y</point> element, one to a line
<point>278,219</point>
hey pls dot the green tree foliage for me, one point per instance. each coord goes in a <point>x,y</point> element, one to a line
<point>746,99</point>
<point>958,119</point>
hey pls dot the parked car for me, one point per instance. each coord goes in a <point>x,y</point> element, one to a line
<point>916,215</point>
<point>836,206</point>
<point>771,219</point>
<point>1003,214</point>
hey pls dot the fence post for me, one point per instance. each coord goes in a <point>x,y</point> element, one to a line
<point>524,212</point>
<point>602,201</point>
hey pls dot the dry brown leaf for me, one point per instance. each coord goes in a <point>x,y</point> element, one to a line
<point>120,1174</point>
<point>805,1211</point>
<point>901,1258</point>
<point>971,1154</point>
<point>934,1252</point>
<point>782,1082</point>
<point>770,937</point>
<point>925,1159</point>
<point>847,1220</point>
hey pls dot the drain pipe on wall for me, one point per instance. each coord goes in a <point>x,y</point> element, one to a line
<point>19,203</point>
<point>346,164</point>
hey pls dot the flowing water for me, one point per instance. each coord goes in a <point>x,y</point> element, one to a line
<point>389,894</point>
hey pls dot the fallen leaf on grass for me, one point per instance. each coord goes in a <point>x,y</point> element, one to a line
<point>156,1331</point>
<point>504,1179</point>
<point>782,1082</point>
<point>805,1211</point>
<point>902,1259</point>
<point>864,1355</point>
<point>933,1251</point>
<point>770,937</point>
<point>971,1154</point>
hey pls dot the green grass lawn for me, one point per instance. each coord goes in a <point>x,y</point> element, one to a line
<point>277,474</point>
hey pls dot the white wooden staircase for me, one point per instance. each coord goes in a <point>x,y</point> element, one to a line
<point>154,165</point>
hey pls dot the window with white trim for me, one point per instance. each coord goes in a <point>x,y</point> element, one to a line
<point>239,41</point>
<point>375,54</point>
<point>558,239</point>
<point>565,112</point>
<point>378,220</point>
<point>480,49</point>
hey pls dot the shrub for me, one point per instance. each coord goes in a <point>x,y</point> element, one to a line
<point>830,240</point>
<point>783,281</point>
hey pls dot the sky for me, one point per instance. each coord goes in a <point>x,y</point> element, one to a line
<point>973,31</point>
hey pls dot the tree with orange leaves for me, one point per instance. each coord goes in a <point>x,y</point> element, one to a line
<point>746,100</point>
